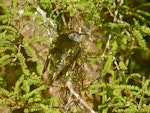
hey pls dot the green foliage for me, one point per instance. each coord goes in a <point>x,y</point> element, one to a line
<point>107,65</point>
<point>140,39</point>
<point>20,88</point>
<point>122,55</point>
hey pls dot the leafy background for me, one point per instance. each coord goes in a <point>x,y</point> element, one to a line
<point>112,74</point>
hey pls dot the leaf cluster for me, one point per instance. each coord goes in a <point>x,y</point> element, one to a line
<point>123,55</point>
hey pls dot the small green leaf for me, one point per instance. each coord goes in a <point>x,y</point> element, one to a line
<point>140,39</point>
<point>107,65</point>
<point>23,64</point>
<point>17,85</point>
<point>122,65</point>
<point>5,60</point>
<point>26,86</point>
<point>145,29</point>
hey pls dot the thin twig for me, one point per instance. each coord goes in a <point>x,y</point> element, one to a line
<point>72,91</point>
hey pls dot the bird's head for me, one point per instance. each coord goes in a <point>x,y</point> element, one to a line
<point>75,36</point>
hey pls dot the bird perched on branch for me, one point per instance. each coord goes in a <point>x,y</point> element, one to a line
<point>65,51</point>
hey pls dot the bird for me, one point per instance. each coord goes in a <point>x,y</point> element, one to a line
<point>60,58</point>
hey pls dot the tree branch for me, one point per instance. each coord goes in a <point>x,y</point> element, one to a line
<point>70,87</point>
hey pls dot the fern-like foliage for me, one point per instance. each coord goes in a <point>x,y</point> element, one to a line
<point>119,32</point>
<point>21,85</point>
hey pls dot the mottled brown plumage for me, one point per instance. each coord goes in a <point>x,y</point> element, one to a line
<point>62,56</point>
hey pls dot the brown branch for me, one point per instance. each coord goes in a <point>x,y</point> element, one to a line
<point>72,91</point>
